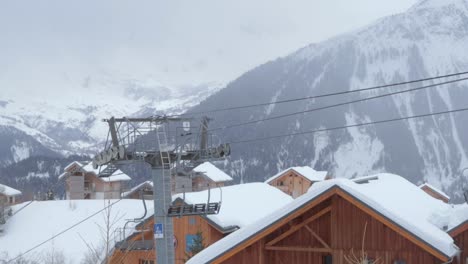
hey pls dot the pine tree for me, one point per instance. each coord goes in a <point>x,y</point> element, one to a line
<point>196,246</point>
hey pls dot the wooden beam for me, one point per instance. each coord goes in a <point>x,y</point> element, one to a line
<point>299,249</point>
<point>271,228</point>
<point>299,226</point>
<point>317,236</point>
<point>261,251</point>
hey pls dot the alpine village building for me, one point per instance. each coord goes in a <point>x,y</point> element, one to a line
<point>295,181</point>
<point>82,181</point>
<point>342,221</point>
<point>329,221</point>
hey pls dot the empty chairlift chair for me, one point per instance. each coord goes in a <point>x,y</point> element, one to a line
<point>185,209</point>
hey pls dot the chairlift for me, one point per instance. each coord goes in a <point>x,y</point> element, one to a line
<point>186,209</point>
<point>139,219</point>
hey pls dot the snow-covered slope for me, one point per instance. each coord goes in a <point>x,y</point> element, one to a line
<point>41,220</point>
<point>70,120</point>
<point>429,39</point>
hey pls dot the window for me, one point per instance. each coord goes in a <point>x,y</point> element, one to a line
<point>281,183</point>
<point>399,262</point>
<point>189,239</point>
<point>11,200</point>
<point>192,220</point>
<point>327,259</point>
<point>145,261</point>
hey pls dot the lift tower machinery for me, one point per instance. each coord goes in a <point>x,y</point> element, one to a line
<point>171,154</point>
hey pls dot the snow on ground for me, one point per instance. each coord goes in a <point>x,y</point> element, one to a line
<point>242,204</point>
<point>212,172</point>
<point>41,220</point>
<point>412,209</point>
<point>305,171</point>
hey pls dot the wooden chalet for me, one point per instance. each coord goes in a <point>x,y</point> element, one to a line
<point>206,175</point>
<point>82,181</point>
<point>9,196</point>
<point>295,181</point>
<point>434,192</point>
<point>139,247</point>
<point>337,219</point>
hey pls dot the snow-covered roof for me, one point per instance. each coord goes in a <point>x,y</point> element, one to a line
<point>438,191</point>
<point>79,164</point>
<point>146,183</point>
<point>41,220</point>
<point>117,175</point>
<point>212,172</point>
<point>241,204</point>
<point>306,171</point>
<point>410,208</point>
<point>8,191</point>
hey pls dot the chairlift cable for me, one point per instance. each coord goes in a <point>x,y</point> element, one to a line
<point>339,104</point>
<point>349,126</point>
<point>324,95</point>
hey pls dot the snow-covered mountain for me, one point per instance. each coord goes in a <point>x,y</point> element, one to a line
<point>431,38</point>
<point>52,122</point>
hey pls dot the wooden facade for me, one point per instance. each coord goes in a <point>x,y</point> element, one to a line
<point>9,199</point>
<point>184,230</point>
<point>327,229</point>
<point>434,193</point>
<point>460,236</point>
<point>292,183</point>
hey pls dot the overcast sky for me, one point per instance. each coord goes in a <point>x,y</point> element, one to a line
<point>172,41</point>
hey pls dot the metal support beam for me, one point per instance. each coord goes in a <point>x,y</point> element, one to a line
<point>164,245</point>
<point>113,132</point>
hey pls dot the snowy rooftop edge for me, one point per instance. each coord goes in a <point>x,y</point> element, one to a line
<point>435,189</point>
<point>9,191</point>
<point>442,243</point>
<point>306,171</point>
<point>212,172</point>
<point>125,194</point>
<point>258,193</point>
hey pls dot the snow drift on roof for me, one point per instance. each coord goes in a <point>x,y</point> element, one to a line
<point>306,171</point>
<point>41,220</point>
<point>441,193</point>
<point>149,183</point>
<point>392,196</point>
<point>118,175</point>
<point>212,172</point>
<point>8,191</point>
<point>241,204</point>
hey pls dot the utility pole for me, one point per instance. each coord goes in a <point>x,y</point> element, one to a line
<point>146,139</point>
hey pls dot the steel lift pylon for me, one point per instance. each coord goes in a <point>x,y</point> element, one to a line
<point>147,140</point>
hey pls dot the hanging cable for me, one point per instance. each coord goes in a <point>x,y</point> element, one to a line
<point>349,126</point>
<point>339,104</point>
<point>324,95</point>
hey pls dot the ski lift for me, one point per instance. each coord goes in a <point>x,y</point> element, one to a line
<point>185,209</point>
